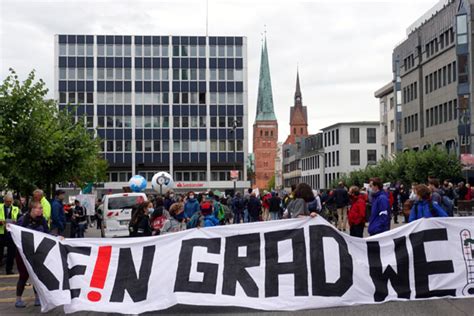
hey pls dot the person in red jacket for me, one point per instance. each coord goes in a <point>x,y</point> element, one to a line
<point>356,214</point>
<point>266,205</point>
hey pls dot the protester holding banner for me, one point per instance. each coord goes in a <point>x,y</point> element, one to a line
<point>379,221</point>
<point>298,207</point>
<point>140,223</point>
<point>33,220</point>
<point>176,222</point>
<point>425,207</point>
<point>38,195</point>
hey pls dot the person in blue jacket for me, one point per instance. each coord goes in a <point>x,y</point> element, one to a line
<point>425,207</point>
<point>58,220</point>
<point>192,205</point>
<point>208,218</point>
<point>379,220</point>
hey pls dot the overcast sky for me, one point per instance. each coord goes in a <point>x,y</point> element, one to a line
<point>343,48</point>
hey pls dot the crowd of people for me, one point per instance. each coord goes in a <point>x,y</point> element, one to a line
<point>36,213</point>
<point>372,206</point>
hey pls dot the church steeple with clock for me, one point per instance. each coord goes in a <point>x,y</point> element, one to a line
<point>298,116</point>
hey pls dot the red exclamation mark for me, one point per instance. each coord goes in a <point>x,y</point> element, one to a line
<point>100,272</point>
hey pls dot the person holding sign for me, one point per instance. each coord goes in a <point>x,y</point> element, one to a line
<point>299,206</point>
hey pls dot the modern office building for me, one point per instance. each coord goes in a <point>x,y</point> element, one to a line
<point>388,120</point>
<point>160,103</point>
<point>431,70</point>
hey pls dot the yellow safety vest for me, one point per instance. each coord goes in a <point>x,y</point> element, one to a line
<point>46,209</point>
<point>15,211</point>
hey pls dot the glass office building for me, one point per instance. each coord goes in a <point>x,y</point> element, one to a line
<point>160,103</point>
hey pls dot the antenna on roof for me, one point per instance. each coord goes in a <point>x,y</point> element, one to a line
<point>207,18</point>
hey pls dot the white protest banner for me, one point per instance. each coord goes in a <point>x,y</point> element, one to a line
<point>277,265</point>
<point>88,202</point>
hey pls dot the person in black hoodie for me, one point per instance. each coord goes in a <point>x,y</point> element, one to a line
<point>341,197</point>
<point>140,224</point>
<point>254,206</point>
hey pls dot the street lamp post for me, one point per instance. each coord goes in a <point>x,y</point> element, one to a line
<point>234,127</point>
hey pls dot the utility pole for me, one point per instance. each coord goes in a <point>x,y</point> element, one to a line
<point>234,127</point>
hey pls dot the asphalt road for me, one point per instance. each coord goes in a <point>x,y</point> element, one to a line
<point>441,307</point>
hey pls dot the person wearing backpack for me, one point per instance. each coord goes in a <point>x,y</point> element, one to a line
<point>208,219</point>
<point>439,196</point>
<point>159,217</point>
<point>226,211</point>
<point>238,206</point>
<point>425,207</point>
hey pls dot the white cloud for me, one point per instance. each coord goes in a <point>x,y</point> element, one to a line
<point>343,48</point>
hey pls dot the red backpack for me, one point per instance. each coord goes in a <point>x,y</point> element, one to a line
<point>158,223</point>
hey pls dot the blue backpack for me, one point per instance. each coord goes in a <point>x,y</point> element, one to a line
<point>447,205</point>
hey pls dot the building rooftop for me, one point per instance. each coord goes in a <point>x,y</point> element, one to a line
<point>388,88</point>
<point>366,123</point>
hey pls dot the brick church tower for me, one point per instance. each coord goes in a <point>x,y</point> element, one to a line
<point>265,129</point>
<point>298,116</point>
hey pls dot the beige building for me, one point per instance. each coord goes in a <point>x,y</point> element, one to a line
<point>427,80</point>
<point>388,120</point>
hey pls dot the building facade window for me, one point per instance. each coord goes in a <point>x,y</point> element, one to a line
<point>371,157</point>
<point>355,157</point>
<point>354,135</point>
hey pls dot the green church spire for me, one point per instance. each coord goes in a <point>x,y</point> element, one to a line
<point>265,97</point>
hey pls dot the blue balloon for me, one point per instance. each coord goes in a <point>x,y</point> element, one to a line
<point>137,183</point>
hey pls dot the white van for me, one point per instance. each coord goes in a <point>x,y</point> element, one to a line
<point>117,213</point>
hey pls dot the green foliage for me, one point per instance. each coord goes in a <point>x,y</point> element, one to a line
<point>410,166</point>
<point>41,146</point>
<point>271,184</point>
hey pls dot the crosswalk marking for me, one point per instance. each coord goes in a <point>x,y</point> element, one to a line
<point>12,288</point>
<point>9,276</point>
<point>13,299</point>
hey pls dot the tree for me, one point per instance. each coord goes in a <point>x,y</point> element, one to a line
<point>409,167</point>
<point>271,183</point>
<point>40,145</point>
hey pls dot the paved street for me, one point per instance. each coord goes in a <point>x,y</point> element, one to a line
<point>451,307</point>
